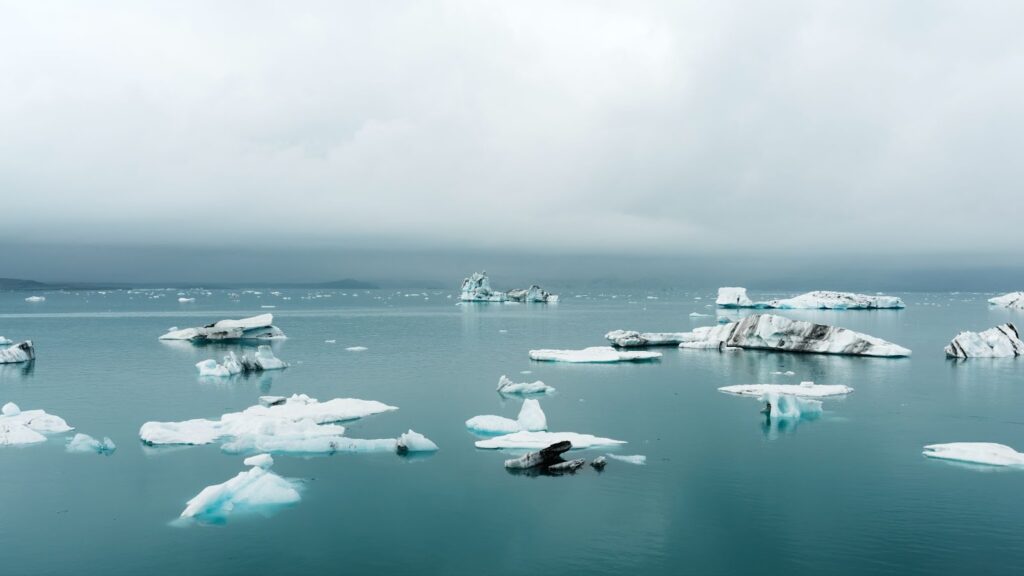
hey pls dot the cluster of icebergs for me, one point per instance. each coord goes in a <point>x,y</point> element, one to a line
<point>255,328</point>
<point>736,297</point>
<point>21,427</point>
<point>477,288</point>
<point>263,359</point>
<point>20,352</point>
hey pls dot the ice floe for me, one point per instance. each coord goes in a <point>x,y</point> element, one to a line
<point>507,386</point>
<point>83,443</point>
<point>537,440</point>
<point>255,328</point>
<point>637,459</point>
<point>412,441</point>
<point>804,389</point>
<point>5,341</point>
<point>28,426</point>
<point>632,338</point>
<point>1003,341</point>
<point>735,297</point>
<point>790,407</point>
<point>36,299</point>
<point>20,352</point>
<point>531,418</point>
<point>186,300</point>
<point>594,354</point>
<point>986,453</point>
<point>357,348</point>
<point>255,490</point>
<point>1013,300</point>
<point>477,288</point>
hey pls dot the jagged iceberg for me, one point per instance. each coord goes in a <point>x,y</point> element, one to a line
<point>83,443</point>
<point>477,288</point>
<point>263,359</point>
<point>771,332</point>
<point>594,354</point>
<point>976,453</point>
<point>29,426</point>
<point>538,440</point>
<point>804,389</point>
<point>790,407</point>
<point>507,386</point>
<point>1013,300</point>
<point>531,418</point>
<point>1003,341</point>
<point>735,297</point>
<point>20,352</point>
<point>255,490</point>
<point>255,328</point>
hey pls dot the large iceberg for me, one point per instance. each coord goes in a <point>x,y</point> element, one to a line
<point>976,453</point>
<point>790,407</point>
<point>29,426</point>
<point>255,328</point>
<point>594,354</point>
<point>804,389</point>
<point>771,332</point>
<point>531,418</point>
<point>507,386</point>
<point>734,297</point>
<point>263,359</point>
<point>20,352</point>
<point>537,440</point>
<point>1003,341</point>
<point>1013,300</point>
<point>477,288</point>
<point>255,490</point>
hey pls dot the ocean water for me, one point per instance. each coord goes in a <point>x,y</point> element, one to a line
<point>722,492</point>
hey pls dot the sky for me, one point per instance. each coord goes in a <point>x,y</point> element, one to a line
<point>315,137</point>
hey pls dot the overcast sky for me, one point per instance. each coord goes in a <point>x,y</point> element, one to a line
<point>667,128</point>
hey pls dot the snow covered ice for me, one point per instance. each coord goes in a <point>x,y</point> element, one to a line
<point>538,440</point>
<point>477,288</point>
<point>29,426</point>
<point>1003,341</point>
<point>83,443</point>
<point>594,354</point>
<point>255,490</point>
<point>255,328</point>
<point>531,418</point>
<point>1013,300</point>
<point>20,352</point>
<point>507,386</point>
<point>976,453</point>
<point>804,389</point>
<point>735,297</point>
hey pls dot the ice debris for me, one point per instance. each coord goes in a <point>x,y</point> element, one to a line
<point>1003,341</point>
<point>255,328</point>
<point>36,299</point>
<point>83,443</point>
<point>637,459</point>
<point>594,354</point>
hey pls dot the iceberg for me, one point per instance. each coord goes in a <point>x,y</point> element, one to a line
<point>186,300</point>
<point>412,441</point>
<point>532,294</point>
<point>36,299</point>
<point>771,332</point>
<point>594,354</point>
<point>255,490</point>
<point>83,443</point>
<point>976,453</point>
<point>734,297</point>
<point>5,341</point>
<point>1003,341</point>
<point>531,418</point>
<point>357,348</point>
<point>790,407</point>
<point>632,338</point>
<point>255,328</point>
<point>637,459</point>
<point>542,458</point>
<point>1013,300</point>
<point>29,426</point>
<point>804,389</point>
<point>477,288</point>
<point>536,440</point>
<point>20,352</point>
<point>507,386</point>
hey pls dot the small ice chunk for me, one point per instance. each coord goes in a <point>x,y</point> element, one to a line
<point>255,328</point>
<point>531,417</point>
<point>83,443</point>
<point>330,341</point>
<point>5,341</point>
<point>507,386</point>
<point>805,389</point>
<point>536,440</point>
<point>1011,300</point>
<point>698,315</point>
<point>10,409</point>
<point>36,299</point>
<point>594,354</point>
<point>412,441</point>
<point>599,463</point>
<point>976,453</point>
<point>186,300</point>
<point>262,460</point>
<point>357,348</point>
<point>638,459</point>
<point>542,458</point>
<point>733,297</point>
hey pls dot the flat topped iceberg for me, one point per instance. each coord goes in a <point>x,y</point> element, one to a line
<point>28,426</point>
<point>20,352</point>
<point>804,389</point>
<point>735,297</point>
<point>1003,341</point>
<point>976,453</point>
<point>771,332</point>
<point>255,490</point>
<point>1014,300</point>
<point>83,443</point>
<point>507,386</point>
<point>594,354</point>
<point>539,440</point>
<point>790,407</point>
<point>255,328</point>
<point>36,299</point>
<point>531,418</point>
<point>632,338</point>
<point>263,359</point>
<point>477,288</point>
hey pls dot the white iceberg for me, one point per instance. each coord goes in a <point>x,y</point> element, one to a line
<point>538,440</point>
<point>83,443</point>
<point>790,407</point>
<point>507,386</point>
<point>1003,341</point>
<point>255,328</point>
<point>412,441</point>
<point>36,299</point>
<point>477,288</point>
<point>1013,300</point>
<point>20,352</point>
<point>804,389</point>
<point>357,348</point>
<point>637,459</point>
<point>771,332</point>
<point>29,426</point>
<point>735,297</point>
<point>255,490</point>
<point>594,354</point>
<point>976,453</point>
<point>186,300</point>
<point>531,418</point>
<point>532,294</point>
<point>5,341</point>
<point>632,338</point>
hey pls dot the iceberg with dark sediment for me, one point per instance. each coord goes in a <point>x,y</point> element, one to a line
<point>477,288</point>
<point>1013,300</point>
<point>255,328</point>
<point>508,387</point>
<point>263,359</point>
<point>632,338</point>
<point>530,418</point>
<point>735,297</point>
<point>538,440</point>
<point>594,354</point>
<point>20,352</point>
<point>986,453</point>
<point>255,490</point>
<point>1003,341</point>
<point>804,389</point>
<point>28,426</point>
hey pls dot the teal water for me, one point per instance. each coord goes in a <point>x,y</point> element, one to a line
<point>848,493</point>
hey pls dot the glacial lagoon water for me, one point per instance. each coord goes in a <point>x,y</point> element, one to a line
<point>722,492</point>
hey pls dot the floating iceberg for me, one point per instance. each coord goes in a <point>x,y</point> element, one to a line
<point>595,354</point>
<point>357,348</point>
<point>255,328</point>
<point>29,426</point>
<point>263,359</point>
<point>1003,341</point>
<point>5,341</point>
<point>804,389</point>
<point>770,332</point>
<point>36,299</point>
<point>637,459</point>
<point>632,338</point>
<point>412,441</point>
<point>1014,300</point>
<point>531,418</point>
<point>477,288</point>
<point>255,490</point>
<point>507,386</point>
<point>734,297</point>
<point>976,453</point>
<point>538,440</point>
<point>83,443</point>
<point>790,407</point>
<point>186,300</point>
<point>20,352</point>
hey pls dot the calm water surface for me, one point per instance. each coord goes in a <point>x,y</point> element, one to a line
<point>722,492</point>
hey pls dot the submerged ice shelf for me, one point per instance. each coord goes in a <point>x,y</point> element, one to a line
<point>736,297</point>
<point>1003,341</point>
<point>594,354</point>
<point>477,288</point>
<point>986,453</point>
<point>254,328</point>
